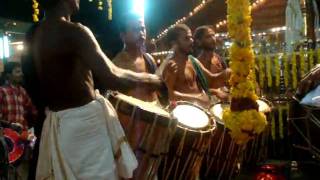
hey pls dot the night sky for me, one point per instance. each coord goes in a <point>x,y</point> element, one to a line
<point>158,15</point>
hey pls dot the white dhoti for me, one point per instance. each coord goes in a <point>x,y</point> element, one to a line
<point>82,143</point>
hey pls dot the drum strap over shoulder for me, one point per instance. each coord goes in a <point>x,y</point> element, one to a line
<point>149,63</point>
<point>201,78</point>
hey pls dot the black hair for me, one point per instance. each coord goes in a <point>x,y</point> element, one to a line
<point>9,66</point>
<point>200,31</point>
<point>174,33</point>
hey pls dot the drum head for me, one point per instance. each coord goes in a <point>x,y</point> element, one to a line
<point>217,110</point>
<point>263,106</point>
<point>190,116</point>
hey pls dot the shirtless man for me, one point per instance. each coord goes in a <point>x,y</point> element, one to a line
<point>179,73</point>
<point>75,143</point>
<point>205,41</point>
<point>132,57</point>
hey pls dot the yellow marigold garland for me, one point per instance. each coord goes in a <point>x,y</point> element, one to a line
<point>311,58</point>
<point>294,70</point>
<point>269,71</point>
<point>302,63</point>
<point>36,11</point>
<point>261,71</point>
<point>277,70</point>
<point>286,70</point>
<point>245,124</point>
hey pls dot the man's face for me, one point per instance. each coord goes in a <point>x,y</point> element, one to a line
<point>135,32</point>
<point>185,42</point>
<point>16,75</point>
<point>208,40</point>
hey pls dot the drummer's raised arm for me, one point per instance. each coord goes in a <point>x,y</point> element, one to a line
<point>216,80</point>
<point>107,75</point>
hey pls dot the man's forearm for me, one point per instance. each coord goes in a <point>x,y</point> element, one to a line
<point>126,80</point>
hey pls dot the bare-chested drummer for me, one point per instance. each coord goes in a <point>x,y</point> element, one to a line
<point>205,42</point>
<point>180,74</point>
<point>75,142</point>
<point>133,57</point>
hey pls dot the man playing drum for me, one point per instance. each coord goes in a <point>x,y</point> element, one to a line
<point>76,140</point>
<point>205,43</point>
<point>180,74</point>
<point>133,57</point>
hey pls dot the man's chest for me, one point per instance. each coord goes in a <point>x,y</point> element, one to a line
<point>186,74</point>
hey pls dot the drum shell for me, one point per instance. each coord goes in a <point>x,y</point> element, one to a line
<point>186,152</point>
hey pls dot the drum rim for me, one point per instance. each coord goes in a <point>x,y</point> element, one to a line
<point>268,102</point>
<point>115,94</point>
<point>207,129</point>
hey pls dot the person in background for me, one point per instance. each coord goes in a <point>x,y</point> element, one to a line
<point>183,74</point>
<point>16,107</point>
<point>205,43</point>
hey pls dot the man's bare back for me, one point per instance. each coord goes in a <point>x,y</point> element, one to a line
<point>67,57</point>
<point>66,80</point>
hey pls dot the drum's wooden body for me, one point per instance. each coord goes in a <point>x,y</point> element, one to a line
<point>224,157</point>
<point>186,152</point>
<point>148,128</point>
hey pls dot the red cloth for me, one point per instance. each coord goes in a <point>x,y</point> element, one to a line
<point>15,105</point>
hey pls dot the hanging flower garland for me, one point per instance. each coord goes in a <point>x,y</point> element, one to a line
<point>242,119</point>
<point>302,63</point>
<point>36,11</point>
<point>286,70</point>
<point>277,70</point>
<point>269,71</point>
<point>294,70</point>
<point>261,71</point>
<point>311,58</point>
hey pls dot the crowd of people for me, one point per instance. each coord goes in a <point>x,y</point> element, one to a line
<point>64,66</point>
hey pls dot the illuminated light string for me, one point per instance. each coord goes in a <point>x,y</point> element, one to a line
<point>184,19</point>
<point>253,6</point>
<point>195,11</point>
<point>100,5</point>
<point>109,9</point>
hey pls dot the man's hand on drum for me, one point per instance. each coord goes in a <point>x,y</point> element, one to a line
<point>311,80</point>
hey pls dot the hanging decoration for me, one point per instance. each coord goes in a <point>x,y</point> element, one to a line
<point>277,70</point>
<point>261,71</point>
<point>242,118</point>
<point>302,63</point>
<point>255,5</point>
<point>36,11</point>
<point>286,70</point>
<point>269,71</point>
<point>109,9</point>
<point>294,70</point>
<point>100,5</point>
<point>311,59</point>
